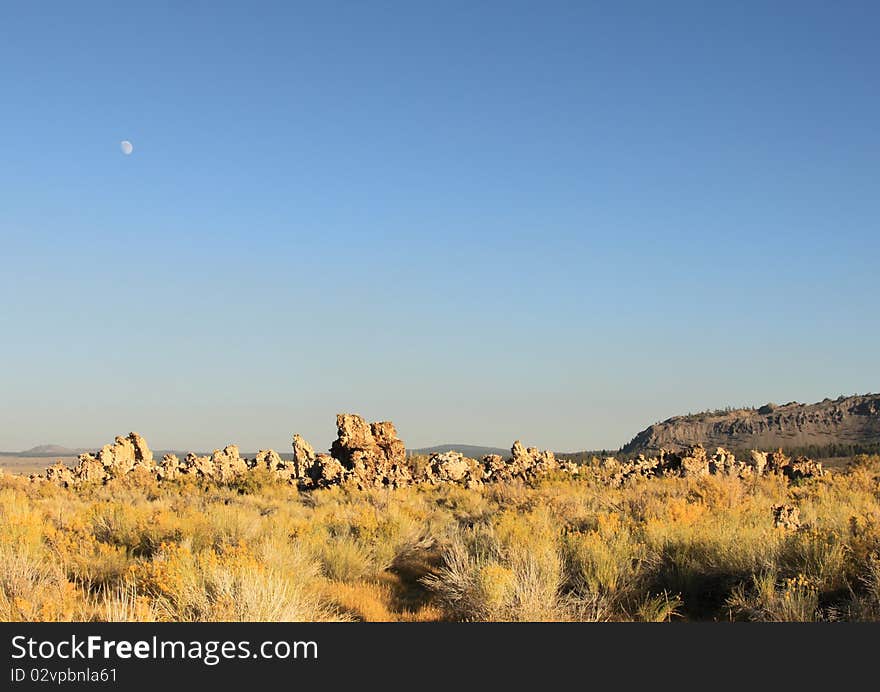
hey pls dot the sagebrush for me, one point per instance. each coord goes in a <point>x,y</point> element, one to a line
<point>563,548</point>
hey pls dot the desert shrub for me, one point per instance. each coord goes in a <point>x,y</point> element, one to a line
<point>460,584</point>
<point>819,555</point>
<point>139,528</point>
<point>122,603</point>
<point>555,549</point>
<point>86,559</point>
<point>34,588</point>
<point>508,570</point>
<point>864,603</point>
<point>769,599</point>
<point>256,482</point>
<point>610,561</point>
<point>703,557</point>
<point>231,585</point>
<point>659,608</point>
<point>863,539</point>
<point>343,558</point>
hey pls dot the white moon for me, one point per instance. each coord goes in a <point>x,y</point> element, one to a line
<point>126,147</point>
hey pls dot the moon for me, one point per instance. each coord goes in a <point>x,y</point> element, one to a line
<point>126,147</point>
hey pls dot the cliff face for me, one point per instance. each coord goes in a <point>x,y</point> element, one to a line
<point>848,420</point>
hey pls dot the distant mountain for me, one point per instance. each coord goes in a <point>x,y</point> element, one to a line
<point>473,451</point>
<point>848,424</point>
<point>49,451</point>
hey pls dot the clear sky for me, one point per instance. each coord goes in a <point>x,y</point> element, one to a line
<point>554,221</point>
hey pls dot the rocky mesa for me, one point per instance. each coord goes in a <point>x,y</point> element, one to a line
<point>853,420</point>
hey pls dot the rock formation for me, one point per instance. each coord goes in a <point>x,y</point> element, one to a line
<point>725,462</point>
<point>759,461</point>
<point>802,467</point>
<point>195,465</point>
<point>694,461</point>
<point>358,440</point>
<point>272,462</point>
<point>325,471</point>
<point>786,517</point>
<point>303,457</point>
<point>455,467</point>
<point>524,463</point>
<point>60,474</point>
<point>527,460</point>
<point>370,455</point>
<point>228,464</point>
<point>125,455</point>
<point>794,469</point>
<point>169,468</point>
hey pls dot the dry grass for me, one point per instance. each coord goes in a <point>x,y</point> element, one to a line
<point>563,549</point>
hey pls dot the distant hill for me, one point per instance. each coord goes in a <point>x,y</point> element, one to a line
<point>473,451</point>
<point>46,451</point>
<point>846,424</point>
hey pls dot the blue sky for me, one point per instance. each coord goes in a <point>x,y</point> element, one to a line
<point>558,222</point>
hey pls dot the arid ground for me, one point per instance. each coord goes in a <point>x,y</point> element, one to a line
<point>558,547</point>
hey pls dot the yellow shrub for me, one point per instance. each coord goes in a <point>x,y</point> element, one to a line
<point>559,548</point>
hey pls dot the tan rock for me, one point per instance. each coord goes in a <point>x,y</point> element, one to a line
<point>786,517</point>
<point>202,466</point>
<point>759,461</point>
<point>303,457</point>
<point>723,461</point>
<point>802,467</point>
<point>609,464</point>
<point>143,457</point>
<point>372,454</point>
<point>353,434</point>
<point>385,435</point>
<point>111,461</point>
<point>270,460</point>
<point>524,463</point>
<point>454,467</point>
<point>520,455</point>
<point>228,464</point>
<point>327,471</point>
<point>777,461</point>
<point>531,460</point>
<point>90,470</point>
<point>694,462</point>
<point>358,440</point>
<point>121,456</point>
<point>494,466</point>
<point>639,468</point>
<point>170,468</point>
<point>60,474</point>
